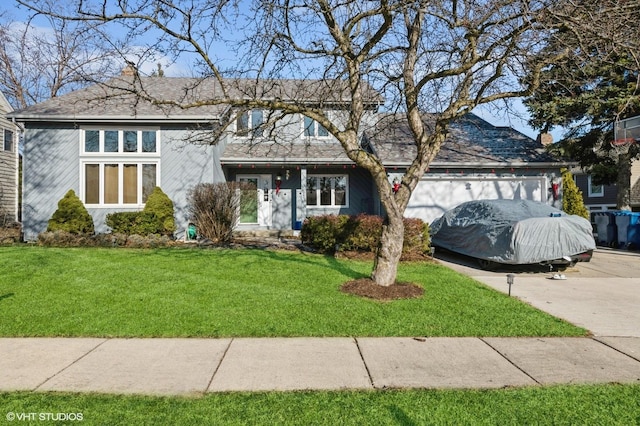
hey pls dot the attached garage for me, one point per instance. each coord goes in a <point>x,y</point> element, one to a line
<point>478,161</point>
<point>436,194</point>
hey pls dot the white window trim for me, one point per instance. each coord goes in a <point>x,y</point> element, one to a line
<point>595,194</point>
<point>120,162</point>
<point>120,158</point>
<point>316,126</point>
<point>13,141</point>
<point>333,193</point>
<point>120,152</point>
<point>250,128</point>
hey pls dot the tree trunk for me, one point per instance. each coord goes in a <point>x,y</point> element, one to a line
<point>387,259</point>
<point>623,183</point>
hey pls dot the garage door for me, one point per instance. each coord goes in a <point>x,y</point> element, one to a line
<point>433,196</point>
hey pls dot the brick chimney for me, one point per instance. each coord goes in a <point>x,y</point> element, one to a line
<point>545,139</point>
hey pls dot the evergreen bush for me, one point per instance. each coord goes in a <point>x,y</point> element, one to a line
<point>572,199</point>
<point>135,223</point>
<point>161,205</point>
<point>71,216</point>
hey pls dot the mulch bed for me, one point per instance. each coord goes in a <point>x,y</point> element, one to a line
<point>365,287</point>
<point>367,255</point>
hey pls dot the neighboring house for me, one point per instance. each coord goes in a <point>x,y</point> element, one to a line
<point>112,149</point>
<point>8,164</point>
<point>628,130</point>
<point>597,198</point>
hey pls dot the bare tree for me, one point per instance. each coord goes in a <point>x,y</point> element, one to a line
<point>444,57</point>
<point>41,61</point>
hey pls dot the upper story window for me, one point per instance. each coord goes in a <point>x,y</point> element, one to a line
<point>327,191</point>
<point>595,190</point>
<point>119,167</point>
<point>250,123</point>
<point>314,129</point>
<point>120,141</point>
<point>8,140</point>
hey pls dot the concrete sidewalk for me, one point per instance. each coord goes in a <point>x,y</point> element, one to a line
<point>197,366</point>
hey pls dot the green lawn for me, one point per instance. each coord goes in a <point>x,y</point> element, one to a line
<point>215,293</point>
<point>240,293</point>
<point>558,405</point>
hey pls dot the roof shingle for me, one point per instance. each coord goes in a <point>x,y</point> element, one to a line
<point>185,99</point>
<point>471,140</point>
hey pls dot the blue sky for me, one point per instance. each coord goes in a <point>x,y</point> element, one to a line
<point>514,116</point>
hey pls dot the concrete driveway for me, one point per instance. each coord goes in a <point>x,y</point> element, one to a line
<point>602,296</point>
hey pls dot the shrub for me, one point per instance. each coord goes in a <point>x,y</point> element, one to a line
<point>416,237</point>
<point>362,233</point>
<point>61,238</point>
<point>71,216</point>
<point>109,240</point>
<point>155,218</point>
<point>331,233</point>
<point>214,209</point>
<point>10,232</point>
<point>572,199</point>
<point>67,239</point>
<point>121,222</point>
<point>161,205</point>
<point>149,241</point>
<point>324,233</point>
<point>135,223</point>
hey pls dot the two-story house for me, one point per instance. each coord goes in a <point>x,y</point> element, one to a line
<point>112,147</point>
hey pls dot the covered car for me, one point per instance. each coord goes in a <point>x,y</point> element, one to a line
<point>515,232</point>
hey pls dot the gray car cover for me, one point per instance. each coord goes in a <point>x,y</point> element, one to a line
<point>512,231</point>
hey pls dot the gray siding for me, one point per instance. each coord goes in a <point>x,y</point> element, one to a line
<point>183,165</point>
<point>52,167</point>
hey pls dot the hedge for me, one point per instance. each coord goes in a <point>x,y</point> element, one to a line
<point>332,233</point>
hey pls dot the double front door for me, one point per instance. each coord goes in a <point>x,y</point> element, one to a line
<point>255,199</point>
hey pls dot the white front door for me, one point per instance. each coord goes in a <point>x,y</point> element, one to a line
<point>255,200</point>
